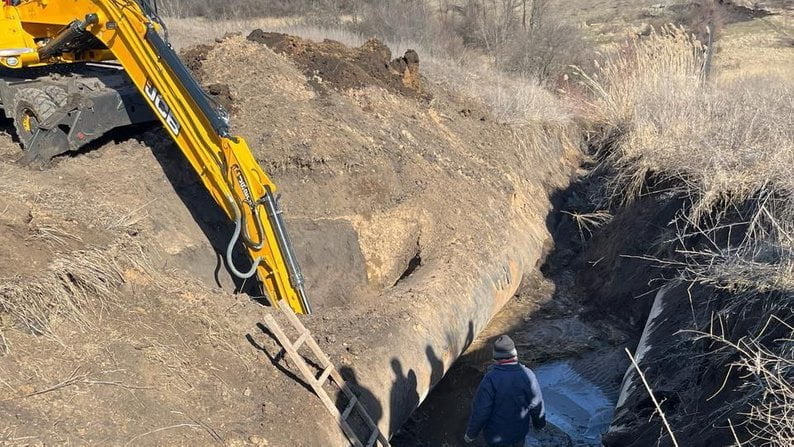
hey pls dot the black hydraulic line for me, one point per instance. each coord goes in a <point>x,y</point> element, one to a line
<point>151,9</point>
<point>276,218</point>
<point>66,36</point>
<point>170,59</point>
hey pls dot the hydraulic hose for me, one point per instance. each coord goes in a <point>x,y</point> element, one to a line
<point>61,42</point>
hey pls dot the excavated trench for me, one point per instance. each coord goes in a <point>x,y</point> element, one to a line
<point>576,354</point>
<point>415,224</point>
<point>572,321</point>
<point>578,361</point>
<point>596,295</point>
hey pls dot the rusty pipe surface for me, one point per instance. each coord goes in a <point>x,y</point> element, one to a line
<point>445,311</point>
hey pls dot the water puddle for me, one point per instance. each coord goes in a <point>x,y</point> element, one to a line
<point>580,397</point>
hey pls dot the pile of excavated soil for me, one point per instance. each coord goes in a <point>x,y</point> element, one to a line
<point>134,334</point>
<point>330,63</point>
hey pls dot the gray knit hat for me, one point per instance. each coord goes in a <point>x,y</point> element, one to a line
<point>504,348</point>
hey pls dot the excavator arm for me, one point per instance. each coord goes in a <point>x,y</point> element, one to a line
<point>45,32</point>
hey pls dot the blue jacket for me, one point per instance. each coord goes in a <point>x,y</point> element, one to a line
<point>508,396</point>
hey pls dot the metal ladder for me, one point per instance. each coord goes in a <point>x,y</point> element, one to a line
<point>328,372</point>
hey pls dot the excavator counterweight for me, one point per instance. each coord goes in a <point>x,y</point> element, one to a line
<point>43,42</point>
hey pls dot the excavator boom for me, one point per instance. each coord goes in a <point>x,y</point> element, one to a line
<point>39,33</point>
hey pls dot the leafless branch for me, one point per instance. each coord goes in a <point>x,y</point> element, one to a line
<point>653,398</point>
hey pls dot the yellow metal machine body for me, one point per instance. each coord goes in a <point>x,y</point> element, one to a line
<point>36,33</point>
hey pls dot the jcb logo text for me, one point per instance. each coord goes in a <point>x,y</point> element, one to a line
<point>162,107</point>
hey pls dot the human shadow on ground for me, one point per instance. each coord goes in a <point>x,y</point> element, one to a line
<point>403,391</point>
<point>403,397</point>
<point>368,401</point>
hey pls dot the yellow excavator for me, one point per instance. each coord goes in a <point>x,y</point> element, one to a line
<point>71,70</point>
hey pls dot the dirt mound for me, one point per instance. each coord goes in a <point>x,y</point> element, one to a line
<point>194,57</point>
<point>330,63</point>
<point>394,205</point>
<point>222,94</point>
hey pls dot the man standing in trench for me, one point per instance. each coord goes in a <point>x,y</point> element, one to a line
<point>507,398</point>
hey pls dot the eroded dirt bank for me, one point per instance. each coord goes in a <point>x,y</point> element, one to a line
<point>564,327</point>
<point>619,284</point>
<point>574,316</point>
<point>415,214</point>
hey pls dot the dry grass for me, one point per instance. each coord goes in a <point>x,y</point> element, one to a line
<point>52,234</point>
<point>587,223</point>
<point>723,145</point>
<point>80,280</point>
<point>768,374</point>
<point>73,286</point>
<point>656,403</point>
<point>513,100</point>
<point>727,146</point>
<point>724,142</point>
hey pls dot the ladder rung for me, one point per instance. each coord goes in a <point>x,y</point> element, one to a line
<point>349,408</point>
<point>373,437</point>
<point>324,376</point>
<point>329,371</point>
<point>301,340</point>
<point>293,319</point>
<point>287,311</point>
<point>342,384</point>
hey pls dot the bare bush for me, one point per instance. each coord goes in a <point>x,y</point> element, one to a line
<point>395,20</point>
<point>765,360</point>
<point>489,24</point>
<point>546,51</point>
<point>525,37</point>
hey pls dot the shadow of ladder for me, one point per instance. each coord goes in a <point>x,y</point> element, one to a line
<point>317,382</point>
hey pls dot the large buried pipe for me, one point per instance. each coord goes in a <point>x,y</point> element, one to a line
<point>445,309</point>
<point>663,322</point>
